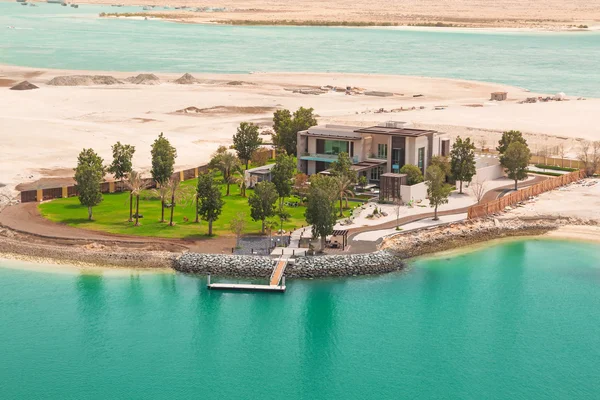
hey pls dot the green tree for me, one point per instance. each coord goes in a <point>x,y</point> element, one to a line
<point>462,161</point>
<point>283,216</point>
<point>88,177</point>
<point>363,181</point>
<point>437,188</point>
<point>262,202</point>
<point>121,167</point>
<point>210,201</point>
<point>227,163</point>
<point>509,137</point>
<point>413,174</point>
<point>515,161</point>
<point>343,167</point>
<point>343,187</point>
<point>178,194</point>
<point>237,226</point>
<point>443,163</point>
<point>163,164</point>
<point>287,126</point>
<point>320,209</point>
<point>246,141</point>
<point>281,176</point>
<point>136,184</point>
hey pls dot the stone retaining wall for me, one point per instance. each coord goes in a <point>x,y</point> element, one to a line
<point>302,267</point>
<point>460,234</point>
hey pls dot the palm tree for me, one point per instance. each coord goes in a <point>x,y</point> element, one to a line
<point>178,194</point>
<point>240,175</point>
<point>343,187</point>
<point>227,163</point>
<point>136,184</point>
<point>161,192</point>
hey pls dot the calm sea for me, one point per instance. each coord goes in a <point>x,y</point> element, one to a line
<point>513,321</point>
<point>52,36</point>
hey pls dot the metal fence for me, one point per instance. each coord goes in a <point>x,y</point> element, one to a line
<point>494,206</point>
<point>106,187</point>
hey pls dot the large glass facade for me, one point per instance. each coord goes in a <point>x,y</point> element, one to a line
<point>335,147</point>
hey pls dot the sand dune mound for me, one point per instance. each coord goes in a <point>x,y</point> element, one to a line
<point>186,79</point>
<point>84,80</point>
<point>24,86</point>
<point>226,110</point>
<point>144,79</point>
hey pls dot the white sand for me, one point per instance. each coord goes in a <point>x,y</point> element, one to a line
<point>42,131</point>
<point>477,13</point>
<point>575,200</point>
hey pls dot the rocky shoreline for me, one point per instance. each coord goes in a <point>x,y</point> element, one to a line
<point>462,234</point>
<point>303,267</point>
<point>392,255</point>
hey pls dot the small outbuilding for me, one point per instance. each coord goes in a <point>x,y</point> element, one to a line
<point>499,96</point>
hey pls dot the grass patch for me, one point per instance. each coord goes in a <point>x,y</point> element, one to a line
<point>112,214</point>
<point>555,167</point>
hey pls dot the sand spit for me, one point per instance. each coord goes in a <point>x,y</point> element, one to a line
<point>144,79</point>
<point>186,79</point>
<point>84,80</point>
<point>220,110</point>
<point>24,86</point>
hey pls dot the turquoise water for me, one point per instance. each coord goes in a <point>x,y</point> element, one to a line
<point>513,321</point>
<point>62,37</point>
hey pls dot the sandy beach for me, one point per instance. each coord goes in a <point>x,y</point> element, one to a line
<point>548,14</point>
<point>44,129</point>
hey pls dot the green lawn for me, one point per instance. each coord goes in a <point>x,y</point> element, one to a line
<point>112,214</point>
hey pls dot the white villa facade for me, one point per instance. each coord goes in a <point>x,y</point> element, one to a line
<point>374,151</point>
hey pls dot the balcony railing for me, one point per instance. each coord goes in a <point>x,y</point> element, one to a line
<point>325,157</point>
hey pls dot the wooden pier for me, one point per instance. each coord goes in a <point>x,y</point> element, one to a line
<point>276,281</point>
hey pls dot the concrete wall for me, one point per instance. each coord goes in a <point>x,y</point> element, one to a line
<point>488,173</point>
<point>415,192</point>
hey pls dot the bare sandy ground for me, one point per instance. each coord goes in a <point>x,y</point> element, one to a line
<point>43,130</point>
<point>471,13</point>
<point>578,200</point>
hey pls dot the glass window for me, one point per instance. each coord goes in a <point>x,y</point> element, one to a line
<point>382,151</point>
<point>421,163</point>
<point>336,146</point>
<point>375,173</point>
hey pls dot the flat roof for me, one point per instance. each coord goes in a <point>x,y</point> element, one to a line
<point>333,131</point>
<point>393,175</point>
<point>408,132</point>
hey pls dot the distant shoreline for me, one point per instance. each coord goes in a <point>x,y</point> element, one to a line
<point>416,26</point>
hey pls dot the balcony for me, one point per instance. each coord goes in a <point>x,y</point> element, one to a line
<point>328,158</point>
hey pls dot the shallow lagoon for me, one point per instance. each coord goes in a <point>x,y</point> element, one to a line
<point>51,36</point>
<point>515,320</point>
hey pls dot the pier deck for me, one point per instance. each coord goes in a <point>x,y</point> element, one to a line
<point>276,281</point>
<point>246,286</point>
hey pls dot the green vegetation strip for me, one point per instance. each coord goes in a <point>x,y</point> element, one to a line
<point>555,167</point>
<point>112,214</point>
<point>544,173</point>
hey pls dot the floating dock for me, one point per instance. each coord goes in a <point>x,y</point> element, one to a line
<point>276,281</point>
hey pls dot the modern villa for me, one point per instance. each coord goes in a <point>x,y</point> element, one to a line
<point>374,151</point>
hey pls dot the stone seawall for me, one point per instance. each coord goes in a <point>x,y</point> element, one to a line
<point>461,234</point>
<point>302,267</point>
